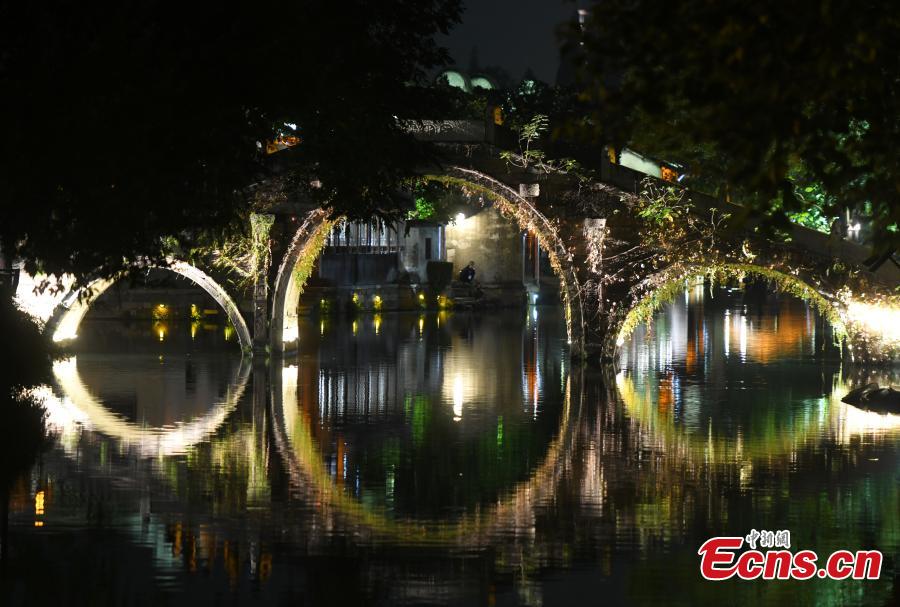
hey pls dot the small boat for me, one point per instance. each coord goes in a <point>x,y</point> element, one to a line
<point>872,397</point>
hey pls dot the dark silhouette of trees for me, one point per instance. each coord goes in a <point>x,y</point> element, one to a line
<point>756,97</point>
<point>24,363</point>
<point>128,122</point>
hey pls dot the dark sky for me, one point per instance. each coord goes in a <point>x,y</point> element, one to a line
<point>512,34</point>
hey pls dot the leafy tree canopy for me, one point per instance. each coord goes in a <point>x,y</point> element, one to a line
<point>127,122</point>
<point>753,96</point>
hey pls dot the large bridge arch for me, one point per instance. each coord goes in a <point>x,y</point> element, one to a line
<point>527,216</point>
<point>309,240</point>
<point>850,318</point>
<point>67,316</point>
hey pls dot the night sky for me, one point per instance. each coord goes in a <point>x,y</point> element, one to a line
<point>512,34</point>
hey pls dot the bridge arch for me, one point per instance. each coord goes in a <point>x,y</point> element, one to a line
<point>513,205</point>
<point>67,316</point>
<point>661,288</point>
<point>309,240</point>
<point>293,272</point>
<point>850,318</point>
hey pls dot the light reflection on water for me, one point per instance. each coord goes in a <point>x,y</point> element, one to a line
<point>455,458</point>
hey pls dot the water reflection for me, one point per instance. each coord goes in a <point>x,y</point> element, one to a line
<point>157,411</point>
<point>781,386</point>
<point>455,459</point>
<point>413,426</point>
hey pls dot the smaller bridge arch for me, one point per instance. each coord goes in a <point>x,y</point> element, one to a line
<point>67,316</point>
<point>834,303</point>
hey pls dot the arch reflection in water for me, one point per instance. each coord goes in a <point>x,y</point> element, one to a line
<point>76,407</point>
<point>626,493</point>
<point>741,375</point>
<point>437,446</point>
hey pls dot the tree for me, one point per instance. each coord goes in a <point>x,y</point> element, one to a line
<point>750,93</point>
<point>126,123</point>
<point>24,363</point>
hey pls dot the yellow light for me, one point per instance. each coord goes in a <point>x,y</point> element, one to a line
<point>39,502</point>
<point>161,330</point>
<point>64,335</point>
<point>160,312</point>
<point>377,322</point>
<point>321,327</point>
<point>458,389</point>
<point>355,327</point>
<point>355,298</point>
<point>881,320</point>
<point>421,297</point>
<point>376,301</point>
<point>38,523</point>
<point>229,332</point>
<point>854,421</point>
<point>290,334</point>
<point>421,324</point>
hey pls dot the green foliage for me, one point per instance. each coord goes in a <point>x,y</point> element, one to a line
<point>424,209</point>
<point>530,133</point>
<point>311,252</point>
<point>433,201</point>
<point>812,217</point>
<point>673,226</point>
<point>663,205</point>
<point>772,86</point>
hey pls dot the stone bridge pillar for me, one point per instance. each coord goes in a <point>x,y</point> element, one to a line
<point>261,226</point>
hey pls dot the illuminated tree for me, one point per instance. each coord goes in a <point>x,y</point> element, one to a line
<point>751,94</point>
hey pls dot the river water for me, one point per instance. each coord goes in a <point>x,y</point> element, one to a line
<point>453,458</point>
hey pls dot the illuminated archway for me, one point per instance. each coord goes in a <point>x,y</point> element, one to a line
<point>66,318</point>
<point>76,407</point>
<point>310,237</point>
<point>662,288</point>
<point>514,206</point>
<point>293,272</point>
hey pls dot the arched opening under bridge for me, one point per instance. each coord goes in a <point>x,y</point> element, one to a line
<point>66,318</point>
<point>311,238</point>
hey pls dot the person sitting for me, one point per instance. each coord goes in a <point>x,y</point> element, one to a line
<point>467,274</point>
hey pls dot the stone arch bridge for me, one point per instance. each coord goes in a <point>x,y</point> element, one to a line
<point>620,246</point>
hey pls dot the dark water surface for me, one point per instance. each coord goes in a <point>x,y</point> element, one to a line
<point>453,458</point>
